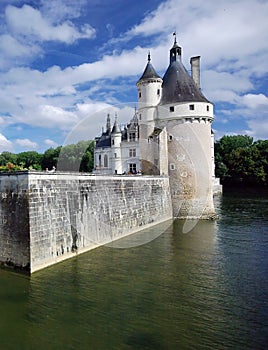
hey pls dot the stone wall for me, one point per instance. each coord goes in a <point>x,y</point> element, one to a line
<point>14,221</point>
<point>61,215</point>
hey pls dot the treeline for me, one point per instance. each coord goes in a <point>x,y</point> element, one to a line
<point>241,162</point>
<point>75,157</point>
<point>238,160</point>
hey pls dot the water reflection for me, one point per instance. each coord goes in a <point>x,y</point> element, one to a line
<point>206,289</point>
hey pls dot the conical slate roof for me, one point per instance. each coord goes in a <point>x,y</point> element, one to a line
<point>116,128</point>
<point>149,72</point>
<point>178,85</point>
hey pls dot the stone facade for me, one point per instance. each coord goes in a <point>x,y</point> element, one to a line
<point>14,221</point>
<point>175,139</point>
<point>47,218</point>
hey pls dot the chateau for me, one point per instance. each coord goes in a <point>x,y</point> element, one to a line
<point>49,217</point>
<point>170,134</point>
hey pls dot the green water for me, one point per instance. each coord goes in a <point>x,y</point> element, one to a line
<point>207,289</point>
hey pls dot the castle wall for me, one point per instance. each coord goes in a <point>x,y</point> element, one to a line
<point>14,221</point>
<point>190,169</point>
<point>61,215</point>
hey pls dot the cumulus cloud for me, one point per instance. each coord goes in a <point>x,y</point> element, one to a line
<point>30,22</point>
<point>5,144</point>
<point>50,143</point>
<point>26,143</point>
<point>255,101</point>
<point>258,128</point>
<point>230,36</point>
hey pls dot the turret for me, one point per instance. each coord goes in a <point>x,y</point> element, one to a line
<point>149,87</point>
<point>149,95</point>
<point>116,138</point>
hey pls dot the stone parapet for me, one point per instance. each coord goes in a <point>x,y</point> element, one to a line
<point>50,217</point>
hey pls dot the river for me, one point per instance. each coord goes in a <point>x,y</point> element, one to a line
<point>205,289</point>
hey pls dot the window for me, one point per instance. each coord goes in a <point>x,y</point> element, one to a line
<point>100,160</point>
<point>158,92</point>
<point>171,109</point>
<point>170,137</point>
<point>132,152</point>
<point>132,168</point>
<point>172,166</point>
<point>191,107</point>
<point>115,155</point>
<point>132,136</point>
<point>105,161</point>
<point>207,108</point>
<point>139,94</point>
<point>112,141</point>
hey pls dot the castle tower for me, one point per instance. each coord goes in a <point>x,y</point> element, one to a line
<point>187,116</point>
<point>116,138</point>
<point>149,95</point>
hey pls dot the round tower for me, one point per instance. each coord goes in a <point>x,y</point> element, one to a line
<point>187,116</point>
<point>149,95</point>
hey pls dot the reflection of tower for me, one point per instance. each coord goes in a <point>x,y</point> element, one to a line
<point>178,108</point>
<point>149,95</point>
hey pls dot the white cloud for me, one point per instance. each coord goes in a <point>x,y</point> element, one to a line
<point>255,101</point>
<point>26,143</point>
<point>51,116</point>
<point>58,10</point>
<point>50,143</point>
<point>230,36</point>
<point>12,48</point>
<point>30,23</point>
<point>5,144</point>
<point>258,128</point>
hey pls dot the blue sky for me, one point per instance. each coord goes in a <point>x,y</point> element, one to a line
<point>64,63</point>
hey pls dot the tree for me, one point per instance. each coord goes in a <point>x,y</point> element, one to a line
<point>77,157</point>
<point>239,161</point>
<point>8,157</point>
<point>50,158</point>
<point>30,160</point>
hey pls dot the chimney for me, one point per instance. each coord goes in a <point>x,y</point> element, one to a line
<point>195,67</point>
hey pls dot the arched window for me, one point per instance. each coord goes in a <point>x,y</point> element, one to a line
<point>105,161</point>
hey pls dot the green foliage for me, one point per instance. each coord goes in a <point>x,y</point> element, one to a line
<point>50,158</point>
<point>30,160</point>
<point>9,167</point>
<point>239,161</point>
<point>8,157</point>
<point>76,157</point>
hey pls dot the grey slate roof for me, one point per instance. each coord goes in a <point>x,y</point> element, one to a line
<point>116,128</point>
<point>178,85</point>
<point>104,141</point>
<point>149,72</point>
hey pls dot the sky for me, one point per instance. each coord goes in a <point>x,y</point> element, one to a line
<point>65,64</point>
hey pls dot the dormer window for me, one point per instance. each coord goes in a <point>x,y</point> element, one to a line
<point>132,136</point>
